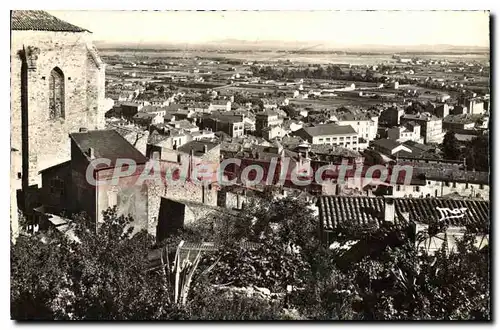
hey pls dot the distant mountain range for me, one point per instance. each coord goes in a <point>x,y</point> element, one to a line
<point>277,45</point>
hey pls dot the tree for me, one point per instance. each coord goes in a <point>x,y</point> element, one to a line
<point>271,265</point>
<point>102,277</point>
<point>286,233</point>
<point>451,147</point>
<point>477,154</point>
<point>384,277</point>
<point>379,275</point>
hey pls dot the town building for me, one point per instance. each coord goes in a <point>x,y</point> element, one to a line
<point>129,109</point>
<point>442,110</point>
<point>161,111</point>
<point>391,116</point>
<point>408,132</point>
<point>147,119</point>
<point>223,105</point>
<point>459,110</point>
<point>265,119</point>
<point>431,127</point>
<point>66,188</point>
<point>337,212</point>
<point>332,134</point>
<point>460,122</point>
<point>388,146</point>
<point>178,164</point>
<point>233,125</point>
<point>184,125</point>
<point>364,125</point>
<point>272,132</point>
<point>475,105</point>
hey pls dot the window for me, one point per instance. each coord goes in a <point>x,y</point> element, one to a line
<point>320,139</point>
<point>56,94</point>
<point>416,188</point>
<point>328,139</point>
<point>57,186</point>
<point>454,184</point>
<point>481,186</point>
<point>466,185</point>
<point>447,184</point>
<point>398,188</point>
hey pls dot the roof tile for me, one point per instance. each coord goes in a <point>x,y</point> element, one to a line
<point>336,211</point>
<point>39,20</point>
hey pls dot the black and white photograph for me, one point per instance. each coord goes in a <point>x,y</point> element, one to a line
<point>180,165</point>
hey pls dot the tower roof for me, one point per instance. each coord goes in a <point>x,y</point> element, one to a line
<point>39,20</point>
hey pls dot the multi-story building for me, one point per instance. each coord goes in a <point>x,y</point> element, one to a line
<point>129,109</point>
<point>431,127</point>
<point>365,127</point>
<point>475,105</point>
<point>147,119</point>
<point>391,116</point>
<point>408,132</point>
<point>265,119</point>
<point>331,134</point>
<point>161,111</point>
<point>233,125</point>
<point>459,122</point>
<point>442,111</point>
<point>223,105</point>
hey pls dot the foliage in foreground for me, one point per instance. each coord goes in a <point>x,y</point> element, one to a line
<point>103,277</point>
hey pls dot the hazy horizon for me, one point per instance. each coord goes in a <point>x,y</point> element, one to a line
<point>321,30</point>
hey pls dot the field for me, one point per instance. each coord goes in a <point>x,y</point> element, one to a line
<point>334,102</point>
<point>315,58</point>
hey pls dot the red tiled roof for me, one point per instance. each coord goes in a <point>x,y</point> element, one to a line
<point>336,211</point>
<point>39,20</point>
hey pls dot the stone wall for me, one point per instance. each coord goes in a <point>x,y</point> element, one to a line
<point>73,53</point>
<point>127,194</point>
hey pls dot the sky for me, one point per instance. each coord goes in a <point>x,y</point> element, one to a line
<point>458,28</point>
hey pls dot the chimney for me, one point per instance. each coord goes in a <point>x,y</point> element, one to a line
<point>91,153</point>
<point>389,210</point>
<point>83,130</point>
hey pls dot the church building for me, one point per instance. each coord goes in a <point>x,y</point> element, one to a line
<point>57,87</point>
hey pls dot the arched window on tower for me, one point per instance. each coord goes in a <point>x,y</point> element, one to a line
<point>56,93</point>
